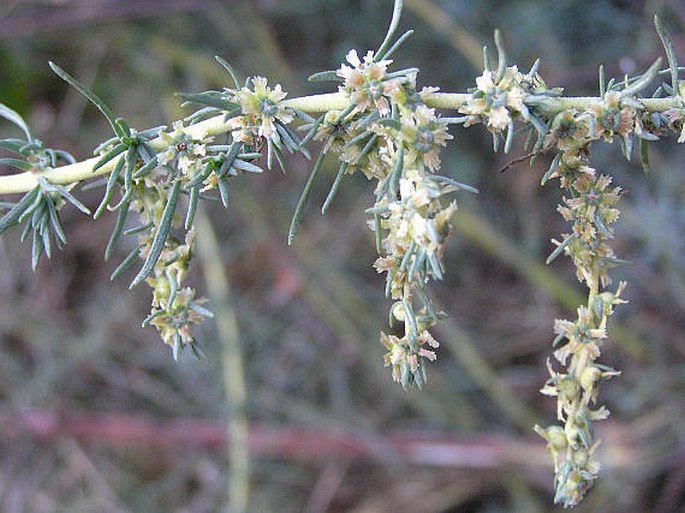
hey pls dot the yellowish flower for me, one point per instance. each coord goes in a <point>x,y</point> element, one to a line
<point>365,82</point>
<point>262,107</point>
<point>423,135</point>
<point>182,152</point>
<point>495,104</point>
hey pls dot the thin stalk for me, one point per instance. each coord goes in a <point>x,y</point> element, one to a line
<point>238,483</point>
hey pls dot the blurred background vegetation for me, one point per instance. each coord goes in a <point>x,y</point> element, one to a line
<point>96,416</point>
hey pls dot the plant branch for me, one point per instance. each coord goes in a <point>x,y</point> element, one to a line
<point>64,175</point>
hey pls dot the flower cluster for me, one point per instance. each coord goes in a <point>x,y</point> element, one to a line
<point>590,205</point>
<point>182,151</point>
<point>366,82</point>
<point>572,446</point>
<point>423,135</point>
<point>404,356</point>
<point>153,179</point>
<point>592,211</point>
<point>417,224</point>
<point>175,310</point>
<point>495,103</point>
<point>261,111</point>
<point>506,95</point>
<point>417,216</point>
<point>198,166</point>
<point>612,116</point>
<point>390,134</point>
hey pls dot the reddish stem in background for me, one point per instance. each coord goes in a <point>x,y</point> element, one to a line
<point>419,448</point>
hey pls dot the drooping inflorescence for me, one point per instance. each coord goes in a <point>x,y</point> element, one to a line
<point>389,134</point>
<point>380,124</point>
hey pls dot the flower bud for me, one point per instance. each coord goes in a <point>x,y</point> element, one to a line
<point>556,438</point>
<point>573,435</point>
<point>398,311</point>
<point>568,388</point>
<point>590,377</point>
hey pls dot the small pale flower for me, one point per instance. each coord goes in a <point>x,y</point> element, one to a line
<point>499,118</point>
<point>423,135</point>
<point>485,82</point>
<point>175,324</point>
<point>182,152</point>
<point>262,108</point>
<point>365,82</point>
<point>495,103</point>
<point>405,361</point>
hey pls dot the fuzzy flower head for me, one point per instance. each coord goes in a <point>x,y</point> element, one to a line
<point>571,171</point>
<point>592,209</point>
<point>611,117</point>
<point>175,324</point>
<point>366,83</point>
<point>595,202</point>
<point>262,109</point>
<point>334,131</point>
<point>570,133</point>
<point>371,154</point>
<point>405,357</point>
<point>423,135</point>
<point>573,482</point>
<point>495,103</point>
<point>416,226</point>
<point>582,336</point>
<point>418,217</point>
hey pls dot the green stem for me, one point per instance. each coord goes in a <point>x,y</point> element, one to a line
<point>64,175</point>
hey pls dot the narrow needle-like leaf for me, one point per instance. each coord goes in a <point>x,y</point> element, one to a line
<point>557,251</point>
<point>670,52</point>
<point>334,187</point>
<point>91,96</point>
<point>299,209</point>
<point>109,191</point>
<point>14,117</point>
<point>501,56</point>
<point>229,68</point>
<point>160,235</point>
<point>118,227</point>
<point>125,264</point>
<point>394,22</point>
<point>192,206</point>
<point>12,217</point>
